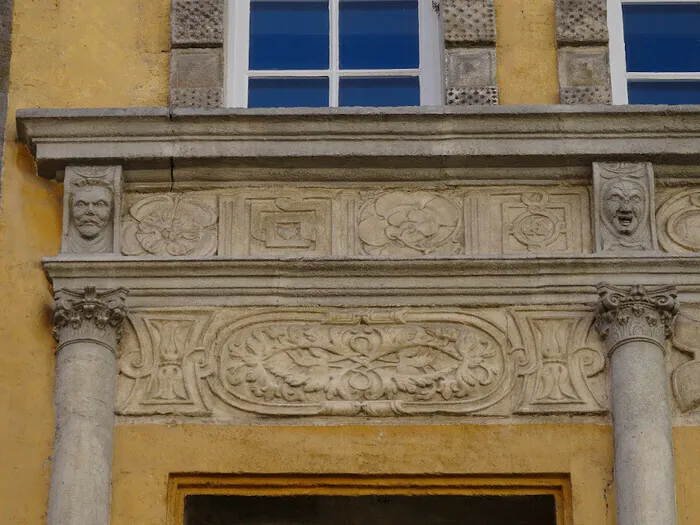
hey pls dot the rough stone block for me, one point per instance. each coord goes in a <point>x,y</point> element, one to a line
<point>197,23</point>
<point>584,75</point>
<point>471,21</point>
<point>470,68</point>
<point>196,78</point>
<point>582,21</point>
<point>484,96</point>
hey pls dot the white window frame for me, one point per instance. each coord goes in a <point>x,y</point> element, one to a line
<point>618,57</point>
<point>237,18</point>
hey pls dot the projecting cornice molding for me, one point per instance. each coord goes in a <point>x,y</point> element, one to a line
<point>519,136</point>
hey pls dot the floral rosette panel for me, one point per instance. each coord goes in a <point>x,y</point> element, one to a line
<point>411,224</point>
<point>405,365</point>
<point>171,225</point>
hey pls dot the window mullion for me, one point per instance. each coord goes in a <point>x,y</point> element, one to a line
<point>334,80</point>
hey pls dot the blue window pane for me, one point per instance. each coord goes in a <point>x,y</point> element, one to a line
<point>287,92</point>
<point>662,38</point>
<point>289,35</point>
<point>380,91</point>
<point>664,92</point>
<point>379,34</point>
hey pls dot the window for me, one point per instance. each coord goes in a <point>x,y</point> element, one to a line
<point>655,51</point>
<point>320,53</point>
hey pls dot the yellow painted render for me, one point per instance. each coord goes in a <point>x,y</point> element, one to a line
<point>99,53</point>
<point>66,53</point>
<point>526,52</point>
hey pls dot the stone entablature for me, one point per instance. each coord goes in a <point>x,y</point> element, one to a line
<point>366,262</point>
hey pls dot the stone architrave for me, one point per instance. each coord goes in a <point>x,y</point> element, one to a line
<point>624,204</point>
<point>91,204</point>
<point>634,324</point>
<point>87,326</point>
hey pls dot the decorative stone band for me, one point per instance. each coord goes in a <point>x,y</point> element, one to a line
<point>635,314</point>
<point>89,315</point>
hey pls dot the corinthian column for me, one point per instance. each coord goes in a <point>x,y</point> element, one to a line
<point>87,326</point>
<point>634,323</point>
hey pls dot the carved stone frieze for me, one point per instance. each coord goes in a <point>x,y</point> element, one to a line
<point>157,371</point>
<point>635,314</point>
<point>528,220</point>
<point>306,362</point>
<point>624,203</point>
<point>678,221</point>
<point>570,362</point>
<point>410,224</point>
<point>91,196</point>
<point>171,225</point>
<point>89,314</point>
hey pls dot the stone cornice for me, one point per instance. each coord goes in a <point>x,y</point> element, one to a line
<point>89,315</point>
<point>482,281</point>
<point>637,313</point>
<point>449,136</point>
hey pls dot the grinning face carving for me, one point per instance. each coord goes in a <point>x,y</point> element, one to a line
<point>91,208</point>
<point>624,206</point>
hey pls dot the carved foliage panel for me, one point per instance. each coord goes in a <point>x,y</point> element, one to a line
<point>170,224</point>
<point>398,362</point>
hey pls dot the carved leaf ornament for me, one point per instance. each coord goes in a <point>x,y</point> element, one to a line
<point>170,225</point>
<point>375,366</point>
<point>409,224</point>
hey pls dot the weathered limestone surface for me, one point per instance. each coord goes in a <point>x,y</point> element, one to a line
<point>87,326</point>
<point>634,324</point>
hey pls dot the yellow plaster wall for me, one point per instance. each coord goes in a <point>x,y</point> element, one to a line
<point>75,53</point>
<point>145,454</point>
<point>526,52</point>
<point>88,53</point>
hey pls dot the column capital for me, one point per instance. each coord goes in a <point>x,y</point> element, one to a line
<point>636,313</point>
<point>89,315</point>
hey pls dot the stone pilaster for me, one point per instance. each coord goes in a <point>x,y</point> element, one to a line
<point>87,326</point>
<point>634,324</point>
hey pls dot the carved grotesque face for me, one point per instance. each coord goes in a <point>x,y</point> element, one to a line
<point>91,209</point>
<point>624,205</point>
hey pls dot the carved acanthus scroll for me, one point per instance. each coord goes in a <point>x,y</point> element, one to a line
<point>310,362</point>
<point>89,314</point>
<point>635,314</point>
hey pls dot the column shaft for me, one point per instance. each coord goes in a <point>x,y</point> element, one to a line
<point>634,323</point>
<point>87,325</point>
<point>81,474</point>
<point>644,463</point>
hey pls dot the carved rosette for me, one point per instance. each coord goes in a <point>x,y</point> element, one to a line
<point>89,315</point>
<point>635,314</point>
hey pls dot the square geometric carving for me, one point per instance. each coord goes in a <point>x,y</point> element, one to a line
<point>465,68</point>
<point>262,224</point>
<point>529,220</point>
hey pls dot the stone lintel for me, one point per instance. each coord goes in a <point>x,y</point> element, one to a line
<point>469,136</point>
